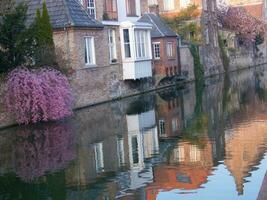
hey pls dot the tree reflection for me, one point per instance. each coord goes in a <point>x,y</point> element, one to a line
<point>42,148</point>
<point>198,125</point>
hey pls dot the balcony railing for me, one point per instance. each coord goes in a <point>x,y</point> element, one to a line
<point>110,16</point>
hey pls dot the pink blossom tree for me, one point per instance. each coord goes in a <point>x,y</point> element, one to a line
<point>38,95</point>
<point>40,149</point>
<point>238,20</point>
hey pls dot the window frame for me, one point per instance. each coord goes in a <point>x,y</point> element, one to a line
<point>162,127</point>
<point>131,12</point>
<point>91,8</point>
<point>112,45</point>
<point>170,54</point>
<point>90,50</point>
<point>128,43</point>
<point>99,157</point>
<point>141,44</point>
<point>154,50</point>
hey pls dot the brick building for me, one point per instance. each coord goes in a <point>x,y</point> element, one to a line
<point>164,47</point>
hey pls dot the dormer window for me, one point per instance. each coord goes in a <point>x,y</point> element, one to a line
<point>131,7</point>
<point>91,8</point>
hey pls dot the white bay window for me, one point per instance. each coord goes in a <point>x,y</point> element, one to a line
<point>136,50</point>
<point>89,51</point>
<point>141,44</point>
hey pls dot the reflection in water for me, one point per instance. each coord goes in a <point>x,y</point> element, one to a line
<point>40,149</point>
<point>204,141</point>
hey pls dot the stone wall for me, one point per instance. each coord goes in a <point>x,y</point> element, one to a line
<point>187,63</point>
<point>246,57</point>
<point>210,51</point>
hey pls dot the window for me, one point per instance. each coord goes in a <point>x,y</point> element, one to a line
<point>112,46</point>
<point>194,153</point>
<point>216,39</point>
<point>141,44</point>
<point>179,154</point>
<point>169,49</point>
<point>89,51</point>
<point>135,152</point>
<point>161,127</point>
<point>152,2</point>
<point>99,157</point>
<point>204,4</point>
<point>130,8</point>
<point>111,5</point>
<point>184,3</point>
<point>207,39</point>
<point>156,50</point>
<point>168,5</point>
<point>212,6</point>
<point>120,150</point>
<point>127,47</point>
<point>183,178</point>
<point>91,8</point>
<point>175,124</point>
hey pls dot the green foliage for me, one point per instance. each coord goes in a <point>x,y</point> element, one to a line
<point>198,67</point>
<point>186,25</point>
<point>43,35</point>
<point>6,6</point>
<point>26,46</point>
<point>105,16</point>
<point>15,39</point>
<point>223,52</point>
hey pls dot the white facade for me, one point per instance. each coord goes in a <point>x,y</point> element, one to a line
<point>137,50</point>
<point>142,138</point>
<point>122,11</point>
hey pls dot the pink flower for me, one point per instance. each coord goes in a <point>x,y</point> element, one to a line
<point>238,20</point>
<point>41,149</point>
<point>38,95</point>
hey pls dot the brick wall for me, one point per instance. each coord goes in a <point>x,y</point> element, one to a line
<point>99,83</point>
<point>166,66</point>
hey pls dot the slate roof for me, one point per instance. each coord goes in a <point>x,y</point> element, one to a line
<point>63,13</point>
<point>160,28</point>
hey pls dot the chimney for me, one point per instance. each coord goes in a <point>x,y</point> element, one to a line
<point>154,9</point>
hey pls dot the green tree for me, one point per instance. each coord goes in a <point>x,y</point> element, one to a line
<point>15,39</point>
<point>186,24</point>
<point>43,35</point>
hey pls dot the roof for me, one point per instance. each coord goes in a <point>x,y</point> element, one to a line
<point>159,27</point>
<point>63,13</point>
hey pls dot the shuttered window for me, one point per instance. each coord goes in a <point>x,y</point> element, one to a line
<point>130,7</point>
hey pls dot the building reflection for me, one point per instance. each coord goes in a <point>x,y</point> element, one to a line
<point>245,141</point>
<point>187,169</point>
<point>169,113</point>
<point>139,147</point>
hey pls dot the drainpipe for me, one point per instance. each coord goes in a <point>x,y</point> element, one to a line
<point>179,57</point>
<point>68,44</point>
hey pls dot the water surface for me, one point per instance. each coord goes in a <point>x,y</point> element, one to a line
<point>195,142</point>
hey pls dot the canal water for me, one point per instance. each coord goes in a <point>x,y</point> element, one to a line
<point>201,141</point>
